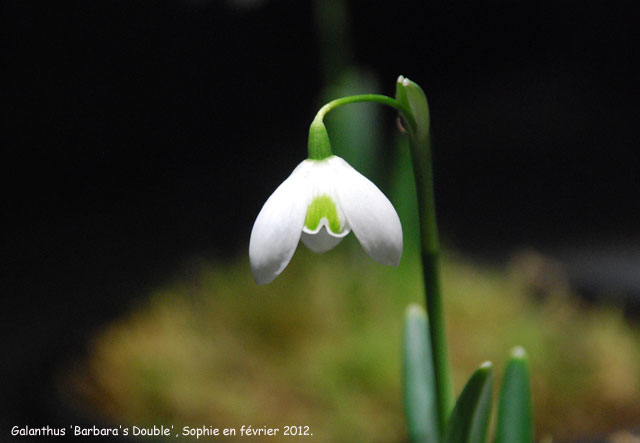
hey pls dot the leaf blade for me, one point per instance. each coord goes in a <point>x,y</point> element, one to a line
<point>470,417</point>
<point>515,422</point>
<point>419,379</point>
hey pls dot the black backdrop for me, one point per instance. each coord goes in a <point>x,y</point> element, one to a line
<point>140,134</point>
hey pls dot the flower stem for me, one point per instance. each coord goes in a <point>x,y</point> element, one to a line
<point>364,98</point>
<point>319,145</point>
<point>430,248</point>
<point>412,96</point>
<point>413,107</point>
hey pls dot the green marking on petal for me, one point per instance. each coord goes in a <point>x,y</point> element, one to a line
<point>322,207</point>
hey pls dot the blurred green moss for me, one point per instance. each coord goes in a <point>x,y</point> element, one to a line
<point>321,345</point>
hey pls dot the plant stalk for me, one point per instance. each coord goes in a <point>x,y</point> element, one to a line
<point>430,252</point>
<point>420,144</point>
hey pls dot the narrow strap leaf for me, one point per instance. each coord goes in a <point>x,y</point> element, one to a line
<point>419,380</point>
<point>515,424</point>
<point>470,417</point>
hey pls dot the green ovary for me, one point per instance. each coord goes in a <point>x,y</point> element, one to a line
<point>322,207</point>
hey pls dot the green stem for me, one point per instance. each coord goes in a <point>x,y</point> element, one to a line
<point>319,145</point>
<point>410,94</point>
<point>364,98</point>
<point>430,245</point>
<point>430,248</point>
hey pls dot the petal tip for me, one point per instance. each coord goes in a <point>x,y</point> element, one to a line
<point>394,260</point>
<point>261,281</point>
<point>263,274</point>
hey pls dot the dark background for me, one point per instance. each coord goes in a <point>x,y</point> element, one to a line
<point>140,134</point>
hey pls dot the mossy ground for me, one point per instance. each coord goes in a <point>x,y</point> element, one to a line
<point>321,346</point>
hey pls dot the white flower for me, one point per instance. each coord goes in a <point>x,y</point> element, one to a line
<point>321,202</point>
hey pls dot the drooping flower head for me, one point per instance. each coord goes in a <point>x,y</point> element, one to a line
<point>320,203</point>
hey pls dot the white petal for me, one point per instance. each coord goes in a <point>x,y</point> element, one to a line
<point>322,239</point>
<point>370,214</point>
<point>277,229</point>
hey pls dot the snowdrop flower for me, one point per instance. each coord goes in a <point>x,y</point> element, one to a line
<point>320,203</point>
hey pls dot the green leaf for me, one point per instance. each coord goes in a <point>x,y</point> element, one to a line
<point>470,417</point>
<point>515,424</point>
<point>419,381</point>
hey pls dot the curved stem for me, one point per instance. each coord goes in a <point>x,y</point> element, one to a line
<point>319,145</point>
<point>366,98</point>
